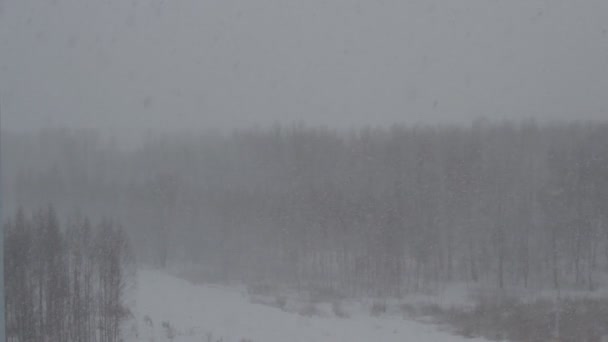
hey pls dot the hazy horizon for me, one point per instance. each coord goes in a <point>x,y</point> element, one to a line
<point>132,67</point>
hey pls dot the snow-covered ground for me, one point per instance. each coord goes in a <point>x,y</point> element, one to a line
<point>206,313</point>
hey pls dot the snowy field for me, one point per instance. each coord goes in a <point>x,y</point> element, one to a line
<point>167,306</point>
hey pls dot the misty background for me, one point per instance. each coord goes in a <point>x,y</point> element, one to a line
<point>318,154</point>
<point>132,67</point>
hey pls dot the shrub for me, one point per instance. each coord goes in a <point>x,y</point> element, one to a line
<point>261,289</point>
<point>281,302</point>
<point>378,308</point>
<point>338,310</point>
<point>325,294</point>
<point>309,310</point>
<point>169,330</point>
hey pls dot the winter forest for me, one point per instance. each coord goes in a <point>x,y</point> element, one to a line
<point>304,171</point>
<point>65,284</point>
<point>374,212</point>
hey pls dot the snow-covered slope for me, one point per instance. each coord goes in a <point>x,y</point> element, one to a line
<point>205,313</point>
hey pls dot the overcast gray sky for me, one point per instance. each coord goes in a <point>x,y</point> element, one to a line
<point>140,65</point>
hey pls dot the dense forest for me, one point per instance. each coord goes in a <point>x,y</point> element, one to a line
<point>370,211</point>
<point>65,283</point>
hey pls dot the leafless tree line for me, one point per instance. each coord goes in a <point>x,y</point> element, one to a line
<point>65,283</point>
<point>374,211</point>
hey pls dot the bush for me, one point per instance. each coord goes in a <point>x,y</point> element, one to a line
<point>281,302</point>
<point>325,294</point>
<point>262,289</point>
<point>378,308</point>
<point>309,310</point>
<point>338,310</point>
<point>506,318</point>
<point>169,330</point>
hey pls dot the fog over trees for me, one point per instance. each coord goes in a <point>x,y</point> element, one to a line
<point>315,171</point>
<point>365,212</point>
